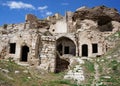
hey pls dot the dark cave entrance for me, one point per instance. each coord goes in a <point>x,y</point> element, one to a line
<point>85,50</point>
<point>61,64</point>
<point>24,53</point>
<point>59,49</point>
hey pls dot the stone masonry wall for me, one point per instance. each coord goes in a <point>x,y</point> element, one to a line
<point>4,40</point>
<point>27,38</point>
<point>48,53</point>
<point>88,38</point>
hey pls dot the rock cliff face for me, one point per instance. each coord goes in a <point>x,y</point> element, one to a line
<point>97,13</point>
<point>101,15</point>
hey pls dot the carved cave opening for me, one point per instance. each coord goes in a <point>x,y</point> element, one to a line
<point>103,20</point>
<point>12,48</point>
<point>24,53</point>
<point>104,23</point>
<point>94,48</point>
<point>85,50</point>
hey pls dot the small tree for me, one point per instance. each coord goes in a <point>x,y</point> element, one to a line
<point>5,26</point>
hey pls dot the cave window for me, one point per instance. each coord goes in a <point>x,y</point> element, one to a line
<point>94,48</point>
<point>66,51</point>
<point>12,48</point>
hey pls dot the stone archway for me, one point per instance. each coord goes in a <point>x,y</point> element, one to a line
<point>65,45</point>
<point>85,50</point>
<point>24,53</point>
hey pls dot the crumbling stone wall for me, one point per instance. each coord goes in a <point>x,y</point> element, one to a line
<point>30,18</point>
<point>88,35</point>
<point>48,53</point>
<point>14,27</point>
<point>89,38</point>
<point>27,38</point>
<point>4,40</point>
<point>11,28</point>
<point>71,28</point>
<point>54,18</point>
<point>84,28</point>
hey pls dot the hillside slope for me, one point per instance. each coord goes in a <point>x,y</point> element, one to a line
<point>100,71</point>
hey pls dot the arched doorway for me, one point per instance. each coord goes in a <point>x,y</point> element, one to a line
<point>65,45</point>
<point>85,50</point>
<point>24,53</point>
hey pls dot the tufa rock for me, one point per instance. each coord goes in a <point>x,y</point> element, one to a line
<point>96,13</point>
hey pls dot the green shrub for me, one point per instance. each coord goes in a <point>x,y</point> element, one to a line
<point>5,26</point>
<point>114,67</point>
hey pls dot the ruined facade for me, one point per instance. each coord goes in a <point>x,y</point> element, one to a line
<point>49,43</point>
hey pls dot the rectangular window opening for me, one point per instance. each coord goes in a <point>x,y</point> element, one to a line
<point>94,48</point>
<point>66,51</point>
<point>12,48</point>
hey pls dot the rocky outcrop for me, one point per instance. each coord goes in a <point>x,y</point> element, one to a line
<point>97,13</point>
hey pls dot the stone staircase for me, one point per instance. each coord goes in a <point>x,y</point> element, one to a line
<point>76,73</point>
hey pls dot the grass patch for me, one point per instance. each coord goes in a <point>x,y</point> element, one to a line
<point>89,66</point>
<point>59,83</point>
<point>20,79</point>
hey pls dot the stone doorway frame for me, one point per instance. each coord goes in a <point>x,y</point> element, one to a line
<point>84,50</point>
<point>24,53</point>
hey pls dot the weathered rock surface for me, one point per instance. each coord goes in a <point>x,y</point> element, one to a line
<point>97,13</point>
<point>87,28</point>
